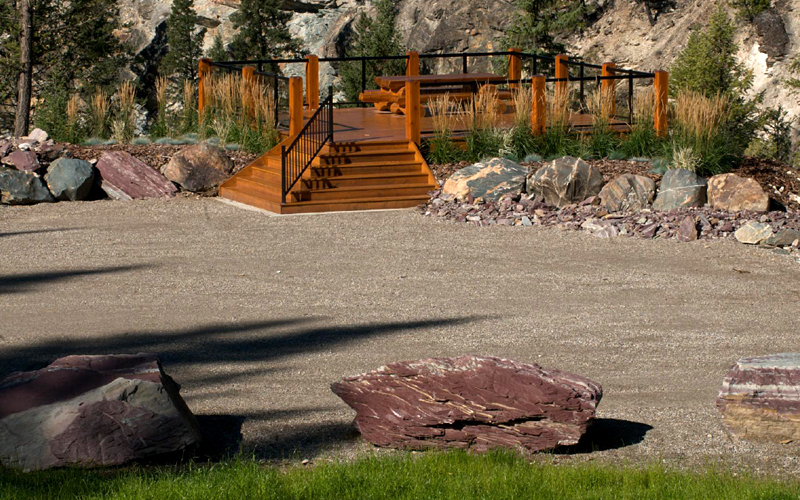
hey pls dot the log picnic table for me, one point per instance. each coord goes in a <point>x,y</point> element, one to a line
<point>391,96</point>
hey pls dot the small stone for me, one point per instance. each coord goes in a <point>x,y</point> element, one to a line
<point>753,233</point>
<point>783,238</point>
<point>687,231</point>
<point>37,135</point>
<point>526,221</point>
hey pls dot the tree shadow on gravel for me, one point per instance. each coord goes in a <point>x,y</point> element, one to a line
<point>607,434</point>
<point>20,283</point>
<point>38,231</point>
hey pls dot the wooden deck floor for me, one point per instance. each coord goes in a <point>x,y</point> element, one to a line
<point>369,124</point>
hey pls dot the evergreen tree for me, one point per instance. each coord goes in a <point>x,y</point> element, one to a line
<point>184,40</point>
<point>533,29</point>
<point>263,32</point>
<point>708,64</point>
<point>218,52</point>
<point>372,38</point>
<point>749,9</point>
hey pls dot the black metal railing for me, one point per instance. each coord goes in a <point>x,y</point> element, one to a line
<point>298,156</point>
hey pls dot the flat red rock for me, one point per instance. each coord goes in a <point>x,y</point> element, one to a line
<point>125,177</point>
<point>470,402</point>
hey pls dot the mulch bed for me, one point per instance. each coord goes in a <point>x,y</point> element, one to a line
<point>777,179</point>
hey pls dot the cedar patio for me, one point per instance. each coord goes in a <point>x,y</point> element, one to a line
<point>336,158</point>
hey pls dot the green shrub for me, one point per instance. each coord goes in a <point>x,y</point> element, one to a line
<point>749,9</point>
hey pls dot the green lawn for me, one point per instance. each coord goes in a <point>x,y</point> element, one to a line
<point>457,476</point>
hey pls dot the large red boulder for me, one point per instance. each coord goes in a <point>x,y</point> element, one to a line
<point>92,411</point>
<point>470,402</point>
<point>124,177</point>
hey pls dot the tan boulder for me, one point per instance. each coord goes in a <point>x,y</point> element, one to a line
<point>732,193</point>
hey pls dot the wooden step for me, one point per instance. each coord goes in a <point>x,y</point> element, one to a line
<point>354,147</point>
<point>365,157</point>
<point>381,179</point>
<point>349,205</point>
<point>374,191</point>
<point>235,194</point>
<point>390,167</point>
<point>253,187</point>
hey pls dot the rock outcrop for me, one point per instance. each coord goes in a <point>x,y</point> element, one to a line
<point>22,188</point>
<point>199,168</point>
<point>680,188</point>
<point>628,193</point>
<point>732,193</point>
<point>124,177</point>
<point>565,181</point>
<point>470,402</point>
<point>92,411</point>
<point>760,398</point>
<point>488,180</point>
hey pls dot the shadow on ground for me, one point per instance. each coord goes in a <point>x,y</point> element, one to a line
<point>20,283</point>
<point>607,434</point>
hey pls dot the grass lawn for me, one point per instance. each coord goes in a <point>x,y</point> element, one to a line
<point>453,475</point>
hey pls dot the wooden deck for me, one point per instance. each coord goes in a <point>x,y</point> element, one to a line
<point>369,124</point>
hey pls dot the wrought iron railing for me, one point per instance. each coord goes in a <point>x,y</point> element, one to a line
<point>298,156</point>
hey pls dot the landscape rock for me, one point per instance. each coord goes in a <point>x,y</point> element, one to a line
<point>69,179</point>
<point>687,231</point>
<point>565,181</point>
<point>733,193</point>
<point>753,233</point>
<point>199,168</point>
<point>783,238</point>
<point>680,188</point>
<point>628,193</point>
<point>125,177</point>
<point>488,180</point>
<point>91,411</point>
<point>22,188</point>
<point>24,161</point>
<point>50,152</point>
<point>470,402</point>
<point>760,398</point>
<point>37,135</point>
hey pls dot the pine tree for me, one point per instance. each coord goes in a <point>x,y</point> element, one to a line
<point>184,40</point>
<point>263,32</point>
<point>533,28</point>
<point>372,38</point>
<point>218,52</point>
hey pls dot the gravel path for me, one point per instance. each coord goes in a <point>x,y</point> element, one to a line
<point>255,315</point>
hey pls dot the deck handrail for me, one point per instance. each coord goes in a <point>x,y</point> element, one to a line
<point>298,156</point>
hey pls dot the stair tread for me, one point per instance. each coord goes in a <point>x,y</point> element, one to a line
<point>351,177</point>
<point>381,152</point>
<point>359,200</point>
<point>395,163</point>
<point>367,188</point>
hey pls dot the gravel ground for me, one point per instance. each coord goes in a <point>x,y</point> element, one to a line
<point>255,315</point>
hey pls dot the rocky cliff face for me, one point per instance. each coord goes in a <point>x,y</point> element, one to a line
<point>622,33</point>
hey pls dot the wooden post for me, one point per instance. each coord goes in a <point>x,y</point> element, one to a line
<point>203,70</point>
<point>661,87</point>
<point>538,105</point>
<point>295,105</point>
<point>562,72</point>
<point>412,64</point>
<point>24,83</point>
<point>413,112</point>
<point>514,67</point>
<point>312,81</point>
<point>248,73</point>
<point>609,90</point>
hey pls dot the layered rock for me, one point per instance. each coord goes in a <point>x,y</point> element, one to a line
<point>125,177</point>
<point>680,188</point>
<point>760,398</point>
<point>92,411</point>
<point>753,233</point>
<point>732,193</point>
<point>565,181</point>
<point>487,180</point>
<point>628,193</point>
<point>22,188</point>
<point>69,179</point>
<point>199,168</point>
<point>470,402</point>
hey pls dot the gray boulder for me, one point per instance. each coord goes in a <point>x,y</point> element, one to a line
<point>92,411</point>
<point>680,188</point>
<point>565,181</point>
<point>628,193</point>
<point>69,179</point>
<point>783,238</point>
<point>199,168</point>
<point>488,180</point>
<point>22,188</point>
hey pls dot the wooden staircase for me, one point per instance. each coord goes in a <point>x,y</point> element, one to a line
<point>343,177</point>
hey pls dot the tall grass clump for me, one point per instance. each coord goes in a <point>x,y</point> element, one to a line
<point>445,115</point>
<point>700,137</point>
<point>642,141</point>
<point>559,138</point>
<point>73,129</point>
<point>483,118</point>
<point>99,107</point>
<point>602,141</point>
<point>520,138</point>
<point>124,124</point>
<point>189,118</point>
<point>161,126</point>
